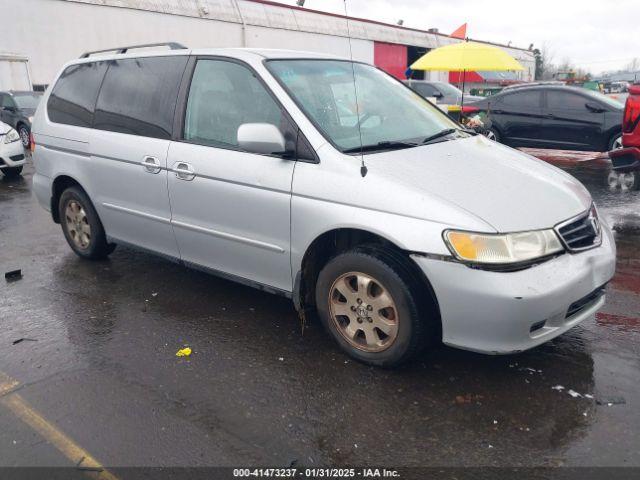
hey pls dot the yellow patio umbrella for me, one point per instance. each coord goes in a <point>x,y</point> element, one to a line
<point>467,57</point>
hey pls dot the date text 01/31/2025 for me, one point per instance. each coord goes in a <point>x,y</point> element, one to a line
<point>312,473</point>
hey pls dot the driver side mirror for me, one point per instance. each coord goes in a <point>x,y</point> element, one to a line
<point>594,107</point>
<point>9,109</point>
<point>261,138</point>
<point>437,95</point>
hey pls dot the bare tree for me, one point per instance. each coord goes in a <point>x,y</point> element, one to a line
<point>634,65</point>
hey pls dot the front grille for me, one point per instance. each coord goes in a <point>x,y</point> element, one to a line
<point>581,233</point>
<point>585,301</point>
<point>17,158</point>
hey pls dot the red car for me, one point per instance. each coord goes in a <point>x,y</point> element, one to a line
<point>631,119</point>
<point>626,161</point>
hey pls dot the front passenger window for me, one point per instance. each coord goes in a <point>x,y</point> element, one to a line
<point>223,96</point>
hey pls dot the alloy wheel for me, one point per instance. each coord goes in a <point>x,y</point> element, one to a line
<point>490,135</point>
<point>77,224</point>
<point>363,311</point>
<point>24,137</point>
<point>617,143</point>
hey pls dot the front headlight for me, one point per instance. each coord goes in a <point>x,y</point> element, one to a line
<point>11,136</point>
<point>502,248</point>
<point>30,119</point>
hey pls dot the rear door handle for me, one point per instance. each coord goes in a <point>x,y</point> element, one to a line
<point>151,164</point>
<point>184,171</point>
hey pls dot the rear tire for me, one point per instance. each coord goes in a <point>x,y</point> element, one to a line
<point>492,134</point>
<point>24,133</point>
<point>382,320</point>
<point>616,142</point>
<point>12,172</point>
<point>81,225</point>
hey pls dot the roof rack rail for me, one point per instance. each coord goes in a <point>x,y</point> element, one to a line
<point>121,50</point>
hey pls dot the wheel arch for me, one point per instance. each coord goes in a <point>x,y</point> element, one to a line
<point>59,185</point>
<point>337,240</point>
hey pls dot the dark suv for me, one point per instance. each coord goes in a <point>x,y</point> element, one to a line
<point>17,109</point>
<point>553,116</point>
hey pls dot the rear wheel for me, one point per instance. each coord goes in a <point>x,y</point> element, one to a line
<point>12,172</point>
<point>23,131</point>
<point>81,225</point>
<point>616,142</point>
<point>492,134</point>
<point>366,301</point>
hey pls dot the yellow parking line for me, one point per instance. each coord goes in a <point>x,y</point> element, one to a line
<point>21,409</point>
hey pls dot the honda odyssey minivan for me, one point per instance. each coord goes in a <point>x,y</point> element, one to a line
<point>397,226</point>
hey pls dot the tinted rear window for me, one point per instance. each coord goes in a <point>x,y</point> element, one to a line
<point>559,99</point>
<point>522,99</point>
<point>138,96</point>
<point>73,98</point>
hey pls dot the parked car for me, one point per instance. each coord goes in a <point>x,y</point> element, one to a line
<point>239,162</point>
<point>631,119</point>
<point>553,116</point>
<point>629,177</point>
<point>11,152</point>
<point>444,93</point>
<point>17,109</point>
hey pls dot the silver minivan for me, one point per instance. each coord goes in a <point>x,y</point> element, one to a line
<point>326,181</point>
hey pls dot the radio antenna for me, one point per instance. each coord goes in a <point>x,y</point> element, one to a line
<point>363,167</point>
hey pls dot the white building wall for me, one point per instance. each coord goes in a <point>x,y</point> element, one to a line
<point>60,30</point>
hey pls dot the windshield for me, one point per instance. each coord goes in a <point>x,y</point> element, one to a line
<point>27,100</point>
<point>604,99</point>
<point>389,112</point>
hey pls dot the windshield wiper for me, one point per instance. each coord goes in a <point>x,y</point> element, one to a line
<point>384,145</point>
<point>440,134</point>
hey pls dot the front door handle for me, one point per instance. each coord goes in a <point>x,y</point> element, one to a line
<point>184,171</point>
<point>151,164</point>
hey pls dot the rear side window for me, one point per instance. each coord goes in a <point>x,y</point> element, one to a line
<point>522,99</point>
<point>559,100</point>
<point>138,96</point>
<point>73,98</point>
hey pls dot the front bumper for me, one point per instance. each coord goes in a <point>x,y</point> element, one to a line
<point>12,155</point>
<point>502,312</point>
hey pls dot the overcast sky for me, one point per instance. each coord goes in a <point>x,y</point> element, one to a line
<point>596,35</point>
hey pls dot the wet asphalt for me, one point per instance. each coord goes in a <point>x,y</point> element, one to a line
<point>100,365</point>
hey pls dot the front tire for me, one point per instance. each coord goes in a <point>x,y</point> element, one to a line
<point>81,225</point>
<point>366,300</point>
<point>12,172</point>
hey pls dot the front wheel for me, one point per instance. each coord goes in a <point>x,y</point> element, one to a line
<point>12,172</point>
<point>81,225</point>
<point>366,300</point>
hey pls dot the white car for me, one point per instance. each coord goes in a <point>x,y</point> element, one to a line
<point>12,156</point>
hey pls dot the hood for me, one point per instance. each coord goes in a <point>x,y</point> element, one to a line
<point>509,190</point>
<point>4,128</point>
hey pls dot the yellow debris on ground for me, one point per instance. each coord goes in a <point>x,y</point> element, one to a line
<point>183,352</point>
